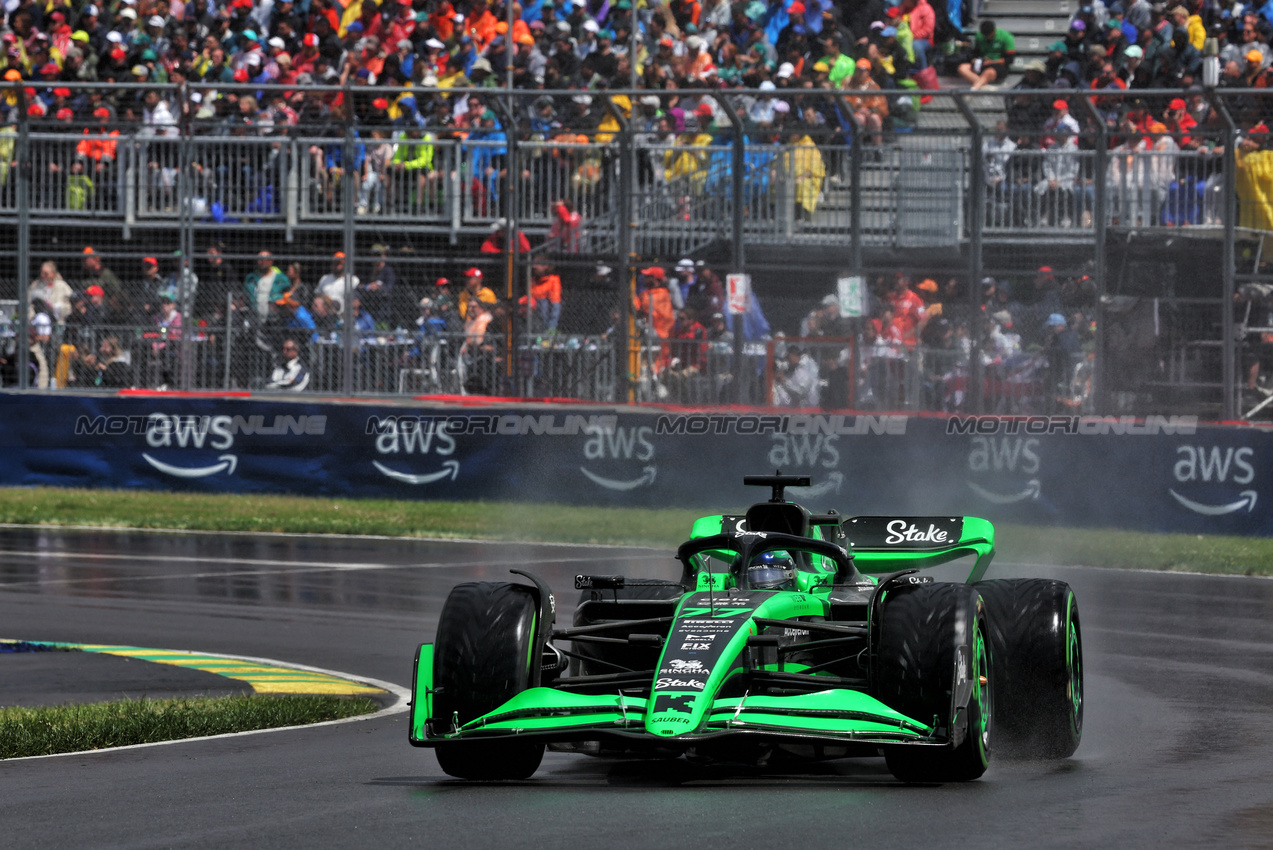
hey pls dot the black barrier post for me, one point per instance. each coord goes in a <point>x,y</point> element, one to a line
<point>1099,224</point>
<point>508,116</point>
<point>625,263</point>
<point>977,179</point>
<point>185,289</point>
<point>349,340</point>
<point>738,254</point>
<point>23,159</point>
<point>1228,348</point>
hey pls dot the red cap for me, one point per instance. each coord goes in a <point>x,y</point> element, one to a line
<point>1045,270</point>
<point>339,255</point>
<point>61,92</point>
<point>241,75</point>
<point>311,39</point>
<point>95,290</point>
<point>702,109</point>
<point>36,110</point>
<point>1177,103</point>
<point>473,272</point>
<point>655,271</point>
<point>895,12</point>
<point>796,8</point>
<point>65,114</point>
<point>118,54</point>
<point>149,261</point>
<point>442,282</point>
<point>1260,128</point>
<point>88,249</point>
<point>102,112</point>
<point>1060,104</point>
<point>380,103</point>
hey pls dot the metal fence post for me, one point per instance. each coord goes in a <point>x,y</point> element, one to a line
<point>977,189</point>
<point>625,267</point>
<point>1229,409</point>
<point>349,198</point>
<point>23,158</point>
<point>1099,224</point>
<point>738,252</point>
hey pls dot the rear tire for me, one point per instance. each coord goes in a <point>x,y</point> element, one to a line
<point>929,663</point>
<point>631,657</point>
<point>1036,643</point>
<point>482,658</point>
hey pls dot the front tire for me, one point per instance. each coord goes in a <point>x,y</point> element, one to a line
<point>482,657</point>
<point>932,664</point>
<point>1036,642</point>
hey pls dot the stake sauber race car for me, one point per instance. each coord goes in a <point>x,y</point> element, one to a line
<point>789,635</point>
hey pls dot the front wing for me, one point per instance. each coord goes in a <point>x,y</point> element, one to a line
<point>835,716</point>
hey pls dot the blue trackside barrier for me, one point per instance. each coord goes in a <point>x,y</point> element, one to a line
<point>1153,474</point>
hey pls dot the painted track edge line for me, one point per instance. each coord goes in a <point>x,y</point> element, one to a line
<point>402,701</point>
<point>327,535</point>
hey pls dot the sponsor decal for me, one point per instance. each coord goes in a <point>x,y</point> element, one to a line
<point>227,465</point>
<point>164,431</point>
<point>505,425</point>
<point>1213,465</point>
<point>720,613</point>
<point>900,531</point>
<point>410,436</point>
<point>829,425</point>
<point>1006,455</point>
<point>615,443</point>
<point>1247,501</point>
<point>194,430</point>
<point>678,665</point>
<point>692,684</point>
<point>664,703</point>
<point>671,718</point>
<point>695,647</point>
<point>1031,491</point>
<point>646,478</point>
<point>699,637</point>
<point>904,532</point>
<point>1081,425</point>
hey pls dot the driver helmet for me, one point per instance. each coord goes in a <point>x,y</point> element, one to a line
<point>772,571</point>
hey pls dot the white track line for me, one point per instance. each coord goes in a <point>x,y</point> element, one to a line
<point>328,536</point>
<point>402,701</point>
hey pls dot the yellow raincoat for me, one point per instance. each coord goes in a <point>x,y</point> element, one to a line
<point>1255,189</point>
<point>688,159</point>
<point>803,164</point>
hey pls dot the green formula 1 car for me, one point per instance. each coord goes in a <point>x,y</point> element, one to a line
<point>789,635</point>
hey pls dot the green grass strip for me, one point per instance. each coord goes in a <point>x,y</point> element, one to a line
<point>568,524</point>
<point>73,728</point>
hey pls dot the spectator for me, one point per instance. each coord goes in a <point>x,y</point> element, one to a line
<point>1060,168</point>
<point>654,303</point>
<point>545,296</point>
<point>473,292</point>
<point>380,291</point>
<point>497,242</point>
<point>147,292</point>
<point>1007,185</point>
<point>52,289</point>
<point>564,232</point>
<point>909,313</point>
<point>110,368</point>
<point>1254,180</point>
<point>375,167</point>
<point>869,110</point>
<point>803,164</point>
<point>216,282</point>
<point>292,375</point>
<point>993,52</point>
<point>97,274</point>
<point>265,284</point>
<point>41,330</point>
<point>796,385</point>
<point>325,317</point>
<point>338,283</point>
<point>294,316</point>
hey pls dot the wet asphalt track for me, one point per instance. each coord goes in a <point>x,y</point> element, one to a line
<point>1177,750</point>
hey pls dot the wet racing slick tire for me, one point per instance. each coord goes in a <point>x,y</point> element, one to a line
<point>1036,650</point>
<point>615,658</point>
<point>481,659</point>
<point>931,661</point>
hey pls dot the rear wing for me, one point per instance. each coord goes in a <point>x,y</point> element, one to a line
<point>884,544</point>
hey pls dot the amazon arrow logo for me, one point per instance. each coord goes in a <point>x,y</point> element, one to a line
<point>835,480</point>
<point>1247,501</point>
<point>227,465</point>
<point>646,479</point>
<point>449,467</point>
<point>1031,491</point>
